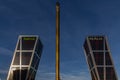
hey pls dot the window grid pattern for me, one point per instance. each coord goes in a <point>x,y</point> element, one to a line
<point>100,57</point>
<point>20,68</point>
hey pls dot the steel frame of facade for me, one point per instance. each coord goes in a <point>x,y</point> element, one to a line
<point>94,71</point>
<point>29,66</point>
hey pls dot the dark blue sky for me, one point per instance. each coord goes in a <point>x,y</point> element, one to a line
<point>79,18</point>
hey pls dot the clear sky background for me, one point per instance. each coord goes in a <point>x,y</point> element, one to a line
<point>79,18</point>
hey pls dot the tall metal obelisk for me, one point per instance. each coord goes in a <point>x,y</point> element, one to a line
<point>57,41</point>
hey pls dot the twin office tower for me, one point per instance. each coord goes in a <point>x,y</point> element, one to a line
<point>26,58</point>
<point>28,52</point>
<point>99,58</point>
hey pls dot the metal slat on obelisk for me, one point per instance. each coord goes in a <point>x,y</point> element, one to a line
<point>57,41</point>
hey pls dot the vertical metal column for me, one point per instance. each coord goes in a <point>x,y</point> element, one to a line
<point>20,57</point>
<point>57,41</point>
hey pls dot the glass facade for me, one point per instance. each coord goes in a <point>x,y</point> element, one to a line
<point>90,61</point>
<point>101,72</point>
<point>17,59</point>
<point>26,58</point>
<point>96,43</point>
<point>28,43</point>
<point>107,59</point>
<point>16,74</point>
<point>110,73</point>
<point>99,58</point>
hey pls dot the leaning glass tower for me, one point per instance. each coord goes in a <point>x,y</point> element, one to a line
<point>26,58</point>
<point>99,59</point>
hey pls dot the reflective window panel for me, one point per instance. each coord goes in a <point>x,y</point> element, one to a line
<point>28,43</point>
<point>26,56</point>
<point>101,72</point>
<point>97,43</point>
<point>17,59</point>
<point>110,73</point>
<point>99,58</point>
<point>108,60</point>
